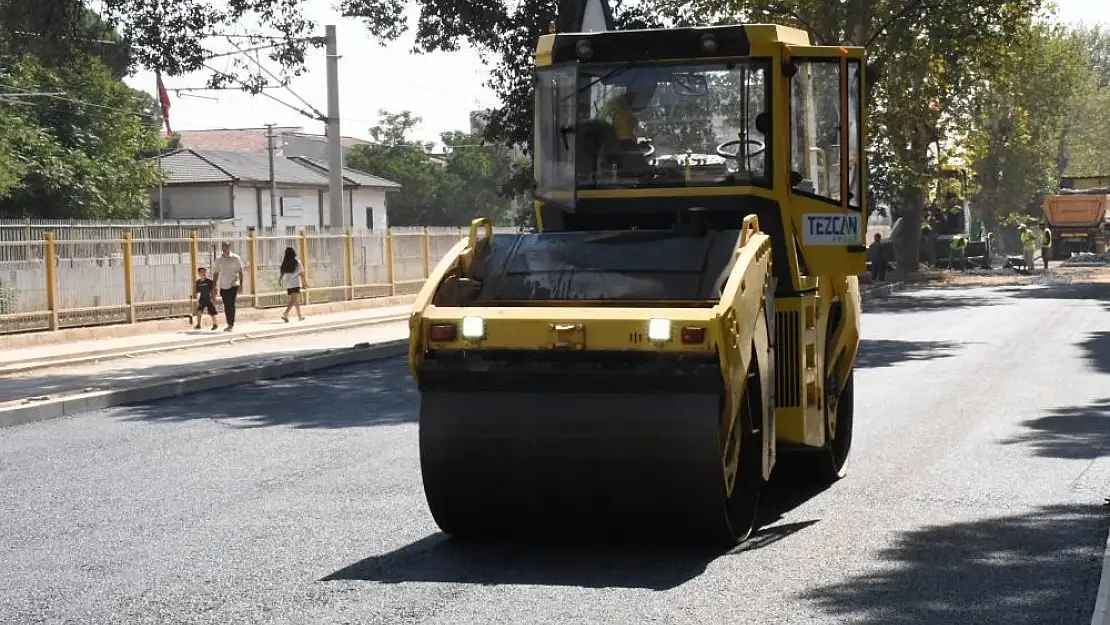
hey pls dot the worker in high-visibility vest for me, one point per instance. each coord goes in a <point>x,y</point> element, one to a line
<point>1046,244</point>
<point>623,110</point>
<point>1028,246</point>
<point>928,244</point>
<point>957,250</point>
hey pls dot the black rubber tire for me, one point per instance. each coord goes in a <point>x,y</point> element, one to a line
<point>823,466</point>
<point>742,506</point>
<point>831,462</point>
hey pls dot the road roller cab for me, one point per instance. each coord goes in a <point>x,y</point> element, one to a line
<point>687,310</point>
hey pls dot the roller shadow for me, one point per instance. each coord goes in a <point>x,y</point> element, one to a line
<point>381,390</point>
<point>437,558</point>
<point>588,564</point>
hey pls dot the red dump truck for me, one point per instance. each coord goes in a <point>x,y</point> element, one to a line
<point>1078,221</point>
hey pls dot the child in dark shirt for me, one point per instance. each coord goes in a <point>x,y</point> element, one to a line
<point>203,290</point>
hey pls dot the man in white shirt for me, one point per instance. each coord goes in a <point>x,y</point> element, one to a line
<point>228,276</point>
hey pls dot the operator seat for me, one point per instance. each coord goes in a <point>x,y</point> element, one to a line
<point>598,149</point>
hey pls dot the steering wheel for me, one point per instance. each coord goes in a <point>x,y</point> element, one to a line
<point>733,155</point>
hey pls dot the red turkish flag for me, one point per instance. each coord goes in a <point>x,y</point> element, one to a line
<point>164,100</point>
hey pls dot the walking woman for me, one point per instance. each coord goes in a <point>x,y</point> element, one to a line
<point>292,278</point>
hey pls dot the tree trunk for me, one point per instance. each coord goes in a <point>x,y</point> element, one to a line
<point>1062,155</point>
<point>907,250</point>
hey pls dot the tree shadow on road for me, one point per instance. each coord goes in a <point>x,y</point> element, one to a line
<point>1079,433</point>
<point>359,395</point>
<point>1059,290</point>
<point>129,372</point>
<point>1030,569</point>
<point>925,300</point>
<point>589,564</point>
<point>876,353</point>
<point>1096,348</point>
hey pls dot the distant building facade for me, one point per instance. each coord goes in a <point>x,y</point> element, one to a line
<point>235,185</point>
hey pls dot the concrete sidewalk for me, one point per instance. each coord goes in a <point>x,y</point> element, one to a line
<point>41,394</point>
<point>245,314</point>
<point>52,355</point>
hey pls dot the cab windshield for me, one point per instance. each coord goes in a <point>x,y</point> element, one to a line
<point>658,125</point>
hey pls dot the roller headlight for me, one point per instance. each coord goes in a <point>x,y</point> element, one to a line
<point>659,330</point>
<point>473,328</point>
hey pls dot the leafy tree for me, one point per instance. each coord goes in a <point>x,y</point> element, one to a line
<point>1020,124</point>
<point>70,129</point>
<point>1084,148</point>
<point>465,184</point>
<point>475,180</point>
<point>151,114</point>
<point>395,156</point>
<point>58,31</point>
<point>74,155</point>
<point>1096,40</point>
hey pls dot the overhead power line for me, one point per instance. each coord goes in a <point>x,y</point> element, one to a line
<point>21,92</point>
<point>275,99</point>
<point>287,87</point>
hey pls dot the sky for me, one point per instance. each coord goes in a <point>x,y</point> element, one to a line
<point>442,89</point>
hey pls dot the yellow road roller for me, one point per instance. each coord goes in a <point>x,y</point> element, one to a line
<point>684,318</point>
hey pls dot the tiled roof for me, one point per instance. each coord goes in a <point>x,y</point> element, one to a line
<point>256,168</point>
<point>190,166</point>
<point>186,167</point>
<point>251,140</point>
<point>350,175</point>
<point>231,140</point>
<point>347,142</point>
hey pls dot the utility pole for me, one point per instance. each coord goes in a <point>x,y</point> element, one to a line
<point>161,198</point>
<point>339,217</point>
<point>273,184</point>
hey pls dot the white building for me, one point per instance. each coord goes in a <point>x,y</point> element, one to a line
<point>211,184</point>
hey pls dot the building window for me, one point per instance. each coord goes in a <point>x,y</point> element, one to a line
<point>369,218</point>
<point>290,205</point>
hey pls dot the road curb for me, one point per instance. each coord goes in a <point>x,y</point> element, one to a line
<point>881,291</point>
<point>1100,615</point>
<point>118,353</point>
<point>185,385</point>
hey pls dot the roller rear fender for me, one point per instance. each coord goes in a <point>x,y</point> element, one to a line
<point>742,329</point>
<point>844,337</point>
<point>764,362</point>
<point>424,298</point>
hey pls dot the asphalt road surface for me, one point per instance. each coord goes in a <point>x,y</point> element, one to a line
<point>976,496</point>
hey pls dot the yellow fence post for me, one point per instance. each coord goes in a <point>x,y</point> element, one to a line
<point>427,252</point>
<point>194,258</point>
<point>252,255</point>
<point>389,268</point>
<point>304,263</point>
<point>128,278</point>
<point>349,262</point>
<point>51,260</point>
